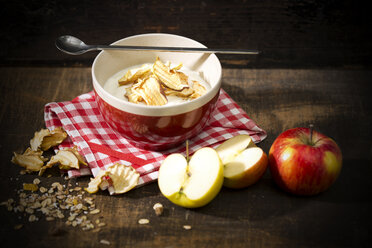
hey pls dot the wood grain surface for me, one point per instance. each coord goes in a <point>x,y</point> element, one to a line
<point>336,101</point>
<point>290,33</point>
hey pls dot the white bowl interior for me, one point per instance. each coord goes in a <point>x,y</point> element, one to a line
<point>109,62</point>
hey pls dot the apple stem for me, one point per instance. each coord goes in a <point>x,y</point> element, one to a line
<point>187,151</point>
<point>311,133</point>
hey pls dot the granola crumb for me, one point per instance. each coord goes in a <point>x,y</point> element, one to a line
<point>187,227</point>
<point>158,207</point>
<point>36,181</point>
<point>104,242</point>
<point>95,211</point>
<point>143,221</point>
<point>32,218</point>
<point>17,227</point>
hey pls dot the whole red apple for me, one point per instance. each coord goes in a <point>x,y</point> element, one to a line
<point>304,162</point>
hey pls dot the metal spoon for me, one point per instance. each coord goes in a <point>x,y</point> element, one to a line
<point>74,46</point>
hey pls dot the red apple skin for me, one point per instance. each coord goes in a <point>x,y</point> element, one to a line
<point>301,167</point>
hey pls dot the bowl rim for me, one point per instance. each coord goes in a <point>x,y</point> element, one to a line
<point>164,110</point>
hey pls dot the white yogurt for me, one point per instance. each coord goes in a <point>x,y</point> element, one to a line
<point>112,86</point>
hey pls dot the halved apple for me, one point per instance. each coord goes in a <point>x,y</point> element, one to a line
<point>229,149</point>
<point>244,163</point>
<point>192,184</point>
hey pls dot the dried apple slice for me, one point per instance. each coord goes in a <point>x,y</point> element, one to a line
<point>176,68</point>
<point>66,159</point>
<point>37,140</point>
<point>56,137</point>
<point>122,177</point>
<point>133,75</point>
<point>183,77</point>
<point>186,92</point>
<point>133,95</point>
<point>80,158</point>
<point>95,182</point>
<point>199,90</point>
<point>170,78</point>
<point>151,92</point>
<point>45,139</point>
<point>30,160</point>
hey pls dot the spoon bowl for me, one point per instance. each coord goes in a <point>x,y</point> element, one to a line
<point>71,45</point>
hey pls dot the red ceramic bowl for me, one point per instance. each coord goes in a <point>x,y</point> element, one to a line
<point>156,127</point>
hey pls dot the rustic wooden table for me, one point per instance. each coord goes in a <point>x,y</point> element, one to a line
<point>284,88</point>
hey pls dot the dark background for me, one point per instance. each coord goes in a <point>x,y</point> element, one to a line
<point>290,33</point>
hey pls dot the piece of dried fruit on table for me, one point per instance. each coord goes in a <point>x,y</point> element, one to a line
<point>66,159</point>
<point>30,160</point>
<point>171,78</point>
<point>30,186</point>
<point>45,139</point>
<point>122,178</point>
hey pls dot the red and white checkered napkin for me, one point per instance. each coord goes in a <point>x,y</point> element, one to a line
<point>102,147</point>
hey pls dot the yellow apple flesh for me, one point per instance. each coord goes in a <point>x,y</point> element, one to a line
<point>192,184</point>
<point>229,149</point>
<point>244,163</point>
<point>246,169</point>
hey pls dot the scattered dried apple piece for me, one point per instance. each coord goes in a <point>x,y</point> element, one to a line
<point>45,139</point>
<point>66,159</point>
<point>30,160</point>
<point>80,158</point>
<point>36,141</point>
<point>56,137</point>
<point>95,182</point>
<point>122,177</point>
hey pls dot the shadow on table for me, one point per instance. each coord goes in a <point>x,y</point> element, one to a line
<point>353,186</point>
<point>265,200</point>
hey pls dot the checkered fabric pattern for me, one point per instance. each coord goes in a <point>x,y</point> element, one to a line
<point>101,146</point>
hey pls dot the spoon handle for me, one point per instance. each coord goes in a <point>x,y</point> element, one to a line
<point>175,49</point>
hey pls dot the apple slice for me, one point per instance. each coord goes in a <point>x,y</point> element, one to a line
<point>246,168</point>
<point>229,149</point>
<point>192,184</point>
